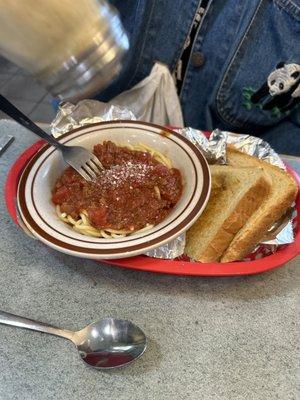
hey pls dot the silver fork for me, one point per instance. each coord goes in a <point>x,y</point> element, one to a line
<point>82,160</point>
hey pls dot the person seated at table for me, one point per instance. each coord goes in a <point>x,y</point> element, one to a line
<point>235,63</point>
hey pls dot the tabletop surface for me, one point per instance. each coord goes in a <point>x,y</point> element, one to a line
<point>209,338</point>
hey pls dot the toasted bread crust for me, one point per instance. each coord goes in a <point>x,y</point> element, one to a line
<point>249,203</point>
<point>254,161</point>
<point>248,237</point>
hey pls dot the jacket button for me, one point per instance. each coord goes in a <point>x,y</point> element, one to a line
<point>198,59</point>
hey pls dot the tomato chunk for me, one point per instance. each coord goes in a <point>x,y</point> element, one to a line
<point>98,217</point>
<point>61,195</point>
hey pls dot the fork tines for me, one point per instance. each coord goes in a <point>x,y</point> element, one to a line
<point>91,169</point>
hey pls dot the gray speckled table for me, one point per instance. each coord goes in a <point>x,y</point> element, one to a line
<point>224,338</point>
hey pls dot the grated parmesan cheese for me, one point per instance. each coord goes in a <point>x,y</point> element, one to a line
<point>130,171</point>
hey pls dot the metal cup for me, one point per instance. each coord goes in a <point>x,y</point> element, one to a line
<point>93,69</point>
<point>81,75</point>
<point>71,55</point>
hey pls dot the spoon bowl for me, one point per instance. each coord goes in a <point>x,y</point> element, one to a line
<point>110,343</point>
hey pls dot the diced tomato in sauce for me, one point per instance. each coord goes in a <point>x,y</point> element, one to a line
<point>61,195</point>
<point>98,217</point>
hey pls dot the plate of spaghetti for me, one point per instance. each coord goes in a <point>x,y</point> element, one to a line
<point>154,185</point>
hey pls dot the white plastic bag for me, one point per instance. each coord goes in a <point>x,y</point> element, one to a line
<point>154,99</point>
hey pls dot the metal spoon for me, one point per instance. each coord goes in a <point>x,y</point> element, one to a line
<point>108,343</point>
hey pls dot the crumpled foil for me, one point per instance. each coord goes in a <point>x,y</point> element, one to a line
<point>170,250</point>
<point>86,112</point>
<point>251,145</point>
<point>214,150</point>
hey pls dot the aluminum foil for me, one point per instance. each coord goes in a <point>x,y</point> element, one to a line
<point>214,150</point>
<point>251,145</point>
<point>86,112</point>
<point>170,250</point>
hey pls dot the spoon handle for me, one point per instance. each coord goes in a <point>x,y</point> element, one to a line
<point>21,322</point>
<point>13,112</point>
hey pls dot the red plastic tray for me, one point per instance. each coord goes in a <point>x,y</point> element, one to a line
<point>176,267</point>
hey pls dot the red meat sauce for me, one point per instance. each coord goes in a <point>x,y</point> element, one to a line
<point>124,195</point>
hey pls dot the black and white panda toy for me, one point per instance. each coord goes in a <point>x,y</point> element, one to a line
<point>283,85</point>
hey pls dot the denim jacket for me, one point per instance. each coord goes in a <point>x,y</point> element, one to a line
<point>239,43</point>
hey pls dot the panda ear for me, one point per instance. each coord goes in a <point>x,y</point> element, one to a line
<point>295,74</point>
<point>280,65</point>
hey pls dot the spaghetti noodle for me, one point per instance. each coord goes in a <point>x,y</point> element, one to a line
<point>137,190</point>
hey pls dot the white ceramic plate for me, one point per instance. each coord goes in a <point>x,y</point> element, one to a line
<point>39,176</point>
